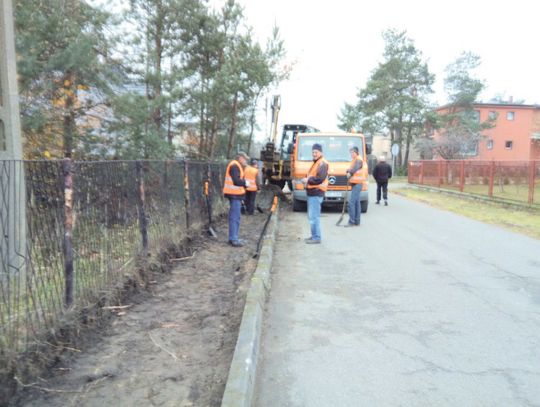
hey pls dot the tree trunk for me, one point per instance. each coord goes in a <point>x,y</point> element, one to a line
<point>252,123</point>
<point>232,130</point>
<point>201,123</point>
<point>157,86</point>
<point>213,137</point>
<point>169,127</point>
<point>407,145</point>
<point>400,141</point>
<point>69,113</point>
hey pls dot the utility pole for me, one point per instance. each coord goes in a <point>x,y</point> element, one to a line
<point>13,205</point>
<point>10,128</point>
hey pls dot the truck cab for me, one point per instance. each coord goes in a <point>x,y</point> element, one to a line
<point>336,148</point>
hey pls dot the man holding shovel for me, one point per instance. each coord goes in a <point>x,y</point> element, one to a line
<point>355,180</point>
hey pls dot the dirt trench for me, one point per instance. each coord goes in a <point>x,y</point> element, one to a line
<point>171,346</point>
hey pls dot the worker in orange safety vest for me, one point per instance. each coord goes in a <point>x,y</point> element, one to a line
<point>354,174</point>
<point>234,188</point>
<point>316,185</point>
<point>251,172</point>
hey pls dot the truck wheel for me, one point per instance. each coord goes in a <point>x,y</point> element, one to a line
<point>363,206</point>
<point>299,206</point>
<point>280,183</point>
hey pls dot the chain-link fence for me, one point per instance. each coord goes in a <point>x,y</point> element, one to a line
<point>515,181</point>
<point>71,232</point>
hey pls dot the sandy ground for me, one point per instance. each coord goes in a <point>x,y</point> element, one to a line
<point>172,346</point>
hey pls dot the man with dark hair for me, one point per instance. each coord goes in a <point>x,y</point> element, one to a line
<point>382,173</point>
<point>234,188</point>
<point>316,185</point>
<point>251,172</point>
<point>354,174</point>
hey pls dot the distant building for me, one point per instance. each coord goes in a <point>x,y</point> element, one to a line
<point>515,136</point>
<point>381,144</point>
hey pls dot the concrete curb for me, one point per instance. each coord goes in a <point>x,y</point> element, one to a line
<point>242,373</point>
<point>473,197</point>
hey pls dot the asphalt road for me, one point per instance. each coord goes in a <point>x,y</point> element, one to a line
<point>416,307</point>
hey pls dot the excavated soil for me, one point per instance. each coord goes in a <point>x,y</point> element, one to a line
<point>171,346</point>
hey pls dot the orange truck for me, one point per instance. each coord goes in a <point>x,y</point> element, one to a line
<point>336,148</point>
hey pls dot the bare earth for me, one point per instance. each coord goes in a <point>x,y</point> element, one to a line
<point>174,346</point>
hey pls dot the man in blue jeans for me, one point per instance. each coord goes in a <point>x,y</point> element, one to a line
<point>354,174</point>
<point>316,185</point>
<point>234,188</point>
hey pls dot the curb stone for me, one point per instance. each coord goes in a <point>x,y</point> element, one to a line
<point>242,373</point>
<point>487,199</point>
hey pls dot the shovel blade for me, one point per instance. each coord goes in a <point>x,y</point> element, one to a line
<point>212,232</point>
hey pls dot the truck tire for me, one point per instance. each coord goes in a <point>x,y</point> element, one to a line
<point>363,206</point>
<point>299,206</point>
<point>280,183</point>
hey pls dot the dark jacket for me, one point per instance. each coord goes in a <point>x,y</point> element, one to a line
<point>382,172</point>
<point>322,173</point>
<point>240,182</point>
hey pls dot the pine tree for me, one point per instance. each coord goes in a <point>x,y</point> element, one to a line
<point>64,71</point>
<point>395,98</point>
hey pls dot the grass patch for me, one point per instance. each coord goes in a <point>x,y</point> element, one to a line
<point>398,180</point>
<point>521,221</point>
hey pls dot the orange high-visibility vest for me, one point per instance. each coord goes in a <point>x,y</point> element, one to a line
<point>357,177</point>
<point>228,186</point>
<point>251,176</point>
<point>313,173</point>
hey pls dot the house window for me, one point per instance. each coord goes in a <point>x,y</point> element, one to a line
<point>470,149</point>
<point>492,115</point>
<point>508,144</point>
<point>510,115</point>
<point>489,144</point>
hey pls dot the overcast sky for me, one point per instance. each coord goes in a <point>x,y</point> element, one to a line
<point>335,44</point>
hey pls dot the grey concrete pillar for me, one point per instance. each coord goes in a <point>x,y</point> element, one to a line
<point>12,190</point>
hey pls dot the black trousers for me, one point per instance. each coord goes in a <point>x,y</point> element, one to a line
<point>250,201</point>
<point>384,186</point>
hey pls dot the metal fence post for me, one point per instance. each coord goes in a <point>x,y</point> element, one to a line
<point>141,198</point>
<point>491,178</point>
<point>461,175</point>
<point>532,175</point>
<point>67,168</point>
<point>439,173</point>
<point>186,193</point>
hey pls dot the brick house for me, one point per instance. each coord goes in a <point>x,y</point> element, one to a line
<point>516,135</point>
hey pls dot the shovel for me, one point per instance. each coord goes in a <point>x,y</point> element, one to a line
<point>344,204</point>
<point>211,231</point>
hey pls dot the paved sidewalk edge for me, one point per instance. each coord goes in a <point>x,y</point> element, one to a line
<point>242,373</point>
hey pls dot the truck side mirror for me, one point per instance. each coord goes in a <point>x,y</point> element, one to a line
<point>290,148</point>
<point>368,149</point>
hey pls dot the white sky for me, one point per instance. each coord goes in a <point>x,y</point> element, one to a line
<point>336,44</point>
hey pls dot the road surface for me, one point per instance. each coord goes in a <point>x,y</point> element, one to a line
<point>416,307</point>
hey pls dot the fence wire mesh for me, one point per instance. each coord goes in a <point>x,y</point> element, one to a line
<point>516,181</point>
<point>120,209</point>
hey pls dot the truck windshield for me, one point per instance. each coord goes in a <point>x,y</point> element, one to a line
<point>335,148</point>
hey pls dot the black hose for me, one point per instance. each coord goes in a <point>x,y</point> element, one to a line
<point>259,242</point>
